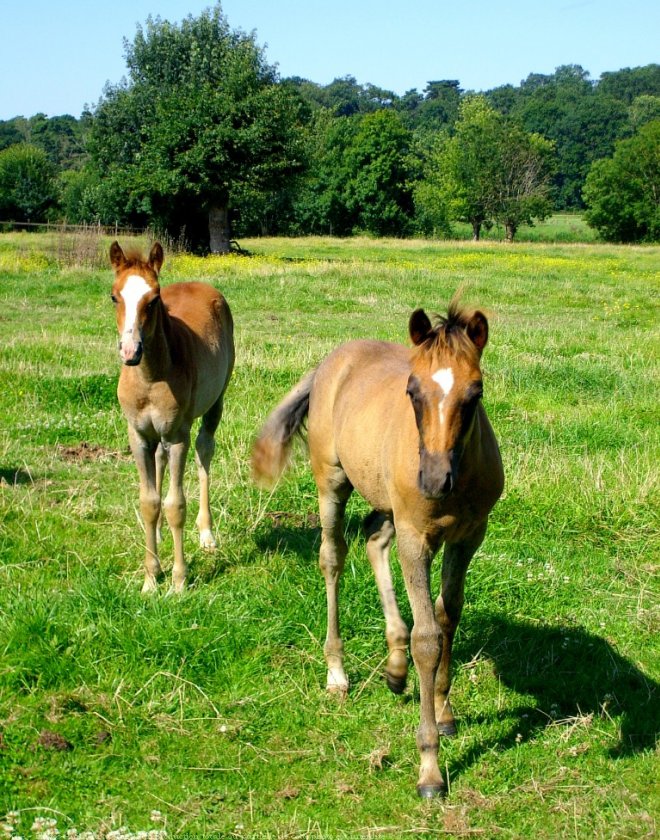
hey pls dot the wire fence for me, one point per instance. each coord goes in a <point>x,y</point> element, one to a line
<point>65,227</point>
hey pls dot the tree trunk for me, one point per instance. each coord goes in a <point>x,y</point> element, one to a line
<point>476,231</point>
<point>219,230</point>
<point>510,229</point>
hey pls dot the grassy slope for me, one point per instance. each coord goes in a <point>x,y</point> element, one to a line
<point>210,707</point>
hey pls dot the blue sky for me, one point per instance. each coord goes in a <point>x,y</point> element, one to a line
<point>57,57</point>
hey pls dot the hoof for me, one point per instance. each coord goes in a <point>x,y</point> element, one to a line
<point>447,730</point>
<point>431,791</point>
<point>178,586</point>
<point>207,540</point>
<point>396,685</point>
<point>337,682</point>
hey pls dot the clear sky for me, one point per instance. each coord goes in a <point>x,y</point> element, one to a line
<point>56,57</point>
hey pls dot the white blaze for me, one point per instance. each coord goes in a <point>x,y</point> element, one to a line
<point>135,288</point>
<point>445,379</point>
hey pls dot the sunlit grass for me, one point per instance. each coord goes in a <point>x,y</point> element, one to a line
<point>209,709</point>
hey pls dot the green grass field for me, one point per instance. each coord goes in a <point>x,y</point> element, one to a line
<point>206,715</point>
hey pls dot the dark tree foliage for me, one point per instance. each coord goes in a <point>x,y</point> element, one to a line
<point>203,133</point>
<point>62,137</point>
<point>201,117</point>
<point>358,177</point>
<point>27,184</point>
<point>378,190</point>
<point>434,109</point>
<point>10,135</point>
<point>343,97</point>
<point>627,84</point>
<point>584,124</point>
<point>622,193</point>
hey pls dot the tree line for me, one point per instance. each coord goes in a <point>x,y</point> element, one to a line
<point>204,141</point>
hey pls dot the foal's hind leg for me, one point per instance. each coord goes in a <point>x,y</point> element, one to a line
<point>334,490</point>
<point>448,608</point>
<point>379,531</point>
<point>204,449</point>
<point>161,463</point>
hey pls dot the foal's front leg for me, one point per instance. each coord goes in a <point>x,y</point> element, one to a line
<point>415,557</point>
<point>448,608</point>
<point>175,507</point>
<point>379,532</point>
<point>144,453</point>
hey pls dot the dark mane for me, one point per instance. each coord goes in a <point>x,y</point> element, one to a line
<point>450,331</point>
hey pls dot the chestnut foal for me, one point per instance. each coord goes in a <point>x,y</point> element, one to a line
<point>405,428</point>
<point>177,349</point>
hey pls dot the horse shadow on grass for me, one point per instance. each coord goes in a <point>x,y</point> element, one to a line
<point>573,676</point>
<point>562,673</point>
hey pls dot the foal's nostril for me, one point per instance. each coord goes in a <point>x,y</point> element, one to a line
<point>447,486</point>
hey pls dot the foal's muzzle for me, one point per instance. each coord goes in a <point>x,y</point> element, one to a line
<point>130,352</point>
<point>437,474</point>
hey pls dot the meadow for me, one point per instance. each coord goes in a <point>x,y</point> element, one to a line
<point>205,715</point>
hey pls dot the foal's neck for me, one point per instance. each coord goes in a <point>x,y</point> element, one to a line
<point>157,352</point>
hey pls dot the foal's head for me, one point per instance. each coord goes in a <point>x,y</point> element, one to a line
<point>136,296</point>
<point>445,388</point>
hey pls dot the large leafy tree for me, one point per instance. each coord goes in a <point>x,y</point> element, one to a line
<point>27,183</point>
<point>520,190</point>
<point>359,176</point>
<point>583,120</point>
<point>622,193</point>
<point>320,204</point>
<point>491,169</point>
<point>378,190</point>
<point>461,169</point>
<point>201,116</point>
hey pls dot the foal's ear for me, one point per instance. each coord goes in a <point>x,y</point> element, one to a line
<point>156,257</point>
<point>419,326</point>
<point>117,258</point>
<point>477,329</point>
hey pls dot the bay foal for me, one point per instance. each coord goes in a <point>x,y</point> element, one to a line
<point>177,348</point>
<point>405,428</point>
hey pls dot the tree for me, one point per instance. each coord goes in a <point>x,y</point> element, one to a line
<point>521,184</point>
<point>644,109</point>
<point>320,205</point>
<point>629,83</point>
<point>201,113</point>
<point>492,170</point>
<point>583,121</point>
<point>463,166</point>
<point>435,108</point>
<point>622,193</point>
<point>378,191</point>
<point>27,183</point>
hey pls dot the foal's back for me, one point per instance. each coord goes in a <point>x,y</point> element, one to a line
<point>201,338</point>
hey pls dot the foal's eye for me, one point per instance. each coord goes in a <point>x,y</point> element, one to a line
<point>113,298</point>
